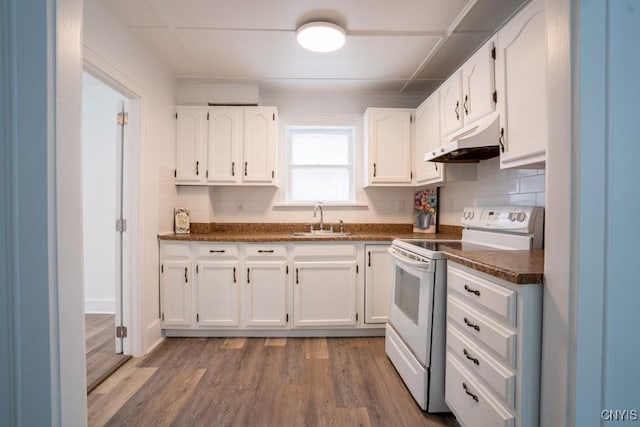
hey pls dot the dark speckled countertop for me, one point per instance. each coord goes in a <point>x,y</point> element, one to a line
<point>518,267</point>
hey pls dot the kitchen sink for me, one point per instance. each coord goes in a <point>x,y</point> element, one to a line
<point>320,234</point>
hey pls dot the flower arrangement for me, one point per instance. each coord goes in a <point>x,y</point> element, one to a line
<point>426,201</point>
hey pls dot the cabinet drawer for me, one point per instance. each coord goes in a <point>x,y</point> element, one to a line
<point>472,404</point>
<point>486,331</point>
<point>496,298</point>
<point>266,251</point>
<point>323,250</point>
<point>204,250</point>
<point>175,250</point>
<point>476,360</point>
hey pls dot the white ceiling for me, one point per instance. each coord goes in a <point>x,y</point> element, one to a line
<point>401,46</point>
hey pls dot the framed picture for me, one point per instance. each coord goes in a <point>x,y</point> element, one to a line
<point>182,224</point>
<point>425,211</point>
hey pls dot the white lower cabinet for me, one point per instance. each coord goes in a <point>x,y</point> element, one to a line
<point>324,293</point>
<point>494,330</point>
<point>176,285</point>
<point>377,283</point>
<point>218,302</point>
<point>265,302</point>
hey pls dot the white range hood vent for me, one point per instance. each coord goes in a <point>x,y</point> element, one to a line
<point>480,142</point>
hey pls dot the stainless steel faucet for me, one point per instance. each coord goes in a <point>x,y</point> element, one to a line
<point>315,208</point>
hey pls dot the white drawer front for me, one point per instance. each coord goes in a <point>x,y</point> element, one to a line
<point>175,249</point>
<point>205,250</point>
<point>496,298</point>
<point>265,251</point>
<point>323,250</point>
<point>472,404</point>
<point>476,360</point>
<point>488,332</point>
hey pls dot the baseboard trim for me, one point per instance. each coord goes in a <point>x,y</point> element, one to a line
<point>100,305</point>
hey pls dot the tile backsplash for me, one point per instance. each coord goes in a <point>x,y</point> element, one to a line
<point>494,186</point>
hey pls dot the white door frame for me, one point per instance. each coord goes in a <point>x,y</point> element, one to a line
<point>133,197</point>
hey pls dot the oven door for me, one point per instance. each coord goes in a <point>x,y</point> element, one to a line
<point>411,308</point>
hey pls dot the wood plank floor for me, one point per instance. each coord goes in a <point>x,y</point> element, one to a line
<point>260,382</point>
<point>102,359</point>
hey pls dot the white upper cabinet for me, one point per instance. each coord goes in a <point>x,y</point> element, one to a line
<point>259,148</point>
<point>478,83</point>
<point>450,100</point>
<point>191,145</point>
<point>389,140</point>
<point>427,140</point>
<point>226,145</point>
<point>468,95</point>
<point>522,88</point>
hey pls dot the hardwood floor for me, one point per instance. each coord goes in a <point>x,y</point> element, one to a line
<point>102,359</point>
<point>260,382</point>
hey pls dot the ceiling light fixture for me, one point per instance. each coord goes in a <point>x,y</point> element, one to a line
<point>321,36</point>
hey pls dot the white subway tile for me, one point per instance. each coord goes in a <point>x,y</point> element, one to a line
<point>532,184</point>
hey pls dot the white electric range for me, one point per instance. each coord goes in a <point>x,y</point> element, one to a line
<point>415,333</point>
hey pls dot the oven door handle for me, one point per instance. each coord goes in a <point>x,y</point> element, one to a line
<point>426,266</point>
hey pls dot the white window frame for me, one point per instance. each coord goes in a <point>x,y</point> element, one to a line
<point>349,130</point>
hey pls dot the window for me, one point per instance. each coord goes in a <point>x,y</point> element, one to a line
<point>320,163</point>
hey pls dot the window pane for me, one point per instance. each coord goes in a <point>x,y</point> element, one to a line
<point>320,148</point>
<point>313,184</point>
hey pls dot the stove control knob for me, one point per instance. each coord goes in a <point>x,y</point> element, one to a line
<point>442,150</point>
<point>471,214</point>
<point>512,216</point>
<point>465,214</point>
<point>521,216</point>
<point>433,153</point>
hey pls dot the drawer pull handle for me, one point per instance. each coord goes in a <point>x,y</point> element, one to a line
<point>186,277</point>
<point>297,281</point>
<point>466,390</point>
<point>261,251</point>
<point>471,325</point>
<point>471,291</point>
<point>213,251</point>
<point>248,270</point>
<point>234,275</point>
<point>468,356</point>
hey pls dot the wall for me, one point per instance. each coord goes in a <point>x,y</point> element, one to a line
<point>99,194</point>
<point>492,187</point>
<point>265,204</point>
<point>109,47</point>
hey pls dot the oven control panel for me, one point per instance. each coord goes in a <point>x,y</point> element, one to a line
<point>516,219</point>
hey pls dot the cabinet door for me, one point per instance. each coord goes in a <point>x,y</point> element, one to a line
<point>377,285</point>
<point>176,284</point>
<point>522,87</point>
<point>478,84</point>
<point>265,295</point>
<point>390,140</point>
<point>191,143</point>
<point>224,163</point>
<point>324,293</point>
<point>427,140</point>
<point>451,104</point>
<point>218,293</point>
<point>259,145</point>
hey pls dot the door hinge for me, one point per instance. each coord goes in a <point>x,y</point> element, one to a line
<point>197,317</point>
<point>495,96</point>
<point>121,225</point>
<point>121,331</point>
<point>493,52</point>
<point>207,116</point>
<point>287,317</point>
<point>123,119</point>
<point>287,269</point>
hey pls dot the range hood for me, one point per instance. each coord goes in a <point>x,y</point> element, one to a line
<point>480,142</point>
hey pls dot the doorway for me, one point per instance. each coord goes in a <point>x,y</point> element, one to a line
<point>104,184</point>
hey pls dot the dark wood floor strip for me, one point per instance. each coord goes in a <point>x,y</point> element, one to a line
<point>303,382</point>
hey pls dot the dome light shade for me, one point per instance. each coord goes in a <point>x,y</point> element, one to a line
<point>321,36</point>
